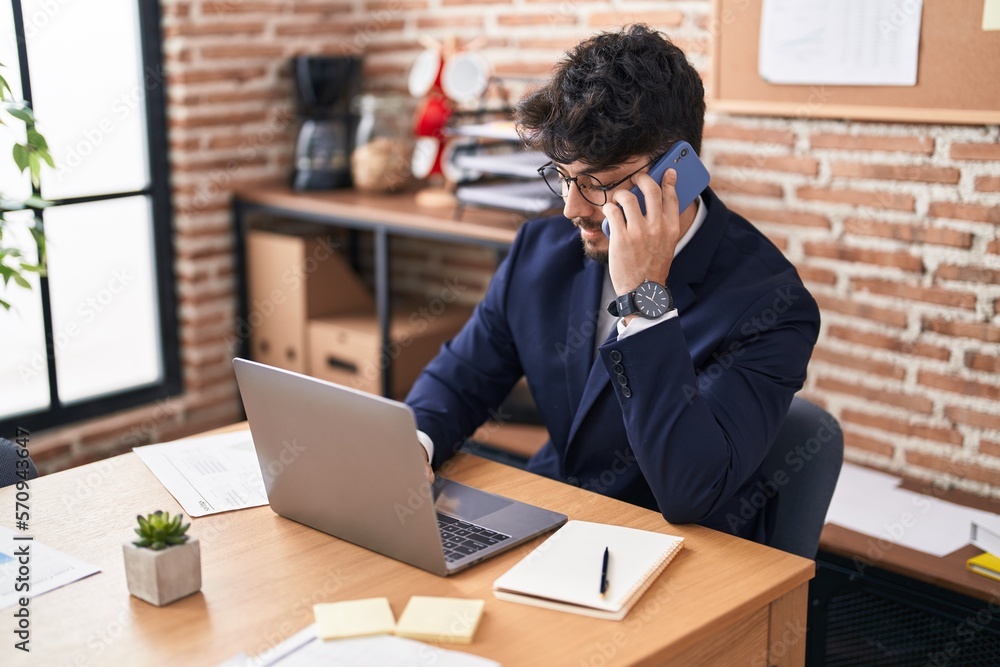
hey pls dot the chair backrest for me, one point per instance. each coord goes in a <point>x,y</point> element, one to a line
<point>802,465</point>
<point>8,464</point>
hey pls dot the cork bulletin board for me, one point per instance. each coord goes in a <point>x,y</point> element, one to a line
<point>958,72</point>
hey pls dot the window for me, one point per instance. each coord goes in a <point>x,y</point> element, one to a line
<point>99,333</point>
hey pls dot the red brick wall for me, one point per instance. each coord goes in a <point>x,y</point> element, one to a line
<point>893,227</point>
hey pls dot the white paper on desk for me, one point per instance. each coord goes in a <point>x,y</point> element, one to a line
<point>304,650</point>
<point>50,569</point>
<point>208,474</point>
<point>865,502</point>
<point>845,42</point>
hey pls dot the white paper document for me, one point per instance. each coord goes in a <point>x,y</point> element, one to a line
<point>48,569</point>
<point>865,501</point>
<point>305,650</point>
<point>209,474</point>
<point>847,42</point>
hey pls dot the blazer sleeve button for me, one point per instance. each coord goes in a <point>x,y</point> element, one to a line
<point>616,356</point>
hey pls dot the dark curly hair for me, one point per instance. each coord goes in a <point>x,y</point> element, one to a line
<point>615,96</point>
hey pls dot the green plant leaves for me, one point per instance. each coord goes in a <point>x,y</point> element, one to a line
<point>20,157</point>
<point>20,112</point>
<point>30,156</point>
<point>158,530</point>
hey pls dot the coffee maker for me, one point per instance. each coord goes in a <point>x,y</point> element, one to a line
<point>324,88</point>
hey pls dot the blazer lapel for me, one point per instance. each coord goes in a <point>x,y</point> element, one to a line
<point>692,262</point>
<point>597,381</point>
<point>577,351</point>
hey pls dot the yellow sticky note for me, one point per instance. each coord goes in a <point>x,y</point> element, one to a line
<point>440,619</point>
<point>354,618</point>
<point>991,14</point>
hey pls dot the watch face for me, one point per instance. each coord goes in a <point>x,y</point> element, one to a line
<point>651,300</point>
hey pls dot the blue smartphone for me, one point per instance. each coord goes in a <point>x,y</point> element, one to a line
<point>692,177</point>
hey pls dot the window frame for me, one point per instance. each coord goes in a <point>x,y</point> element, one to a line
<point>58,413</point>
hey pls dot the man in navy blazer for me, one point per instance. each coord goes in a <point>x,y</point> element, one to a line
<point>672,407</point>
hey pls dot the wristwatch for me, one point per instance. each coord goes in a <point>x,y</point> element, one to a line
<point>651,300</point>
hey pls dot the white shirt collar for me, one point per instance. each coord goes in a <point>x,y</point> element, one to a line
<point>699,218</point>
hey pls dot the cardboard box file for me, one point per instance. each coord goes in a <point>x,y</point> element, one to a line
<point>291,279</point>
<point>345,349</point>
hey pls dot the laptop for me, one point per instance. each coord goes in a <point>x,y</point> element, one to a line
<point>349,464</point>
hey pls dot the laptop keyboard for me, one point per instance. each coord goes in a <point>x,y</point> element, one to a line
<point>461,538</point>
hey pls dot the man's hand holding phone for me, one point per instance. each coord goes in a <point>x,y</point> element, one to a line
<point>643,239</point>
<point>642,244</point>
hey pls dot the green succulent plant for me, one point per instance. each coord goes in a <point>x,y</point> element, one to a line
<point>158,531</point>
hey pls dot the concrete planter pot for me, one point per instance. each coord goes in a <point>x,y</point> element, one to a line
<point>161,577</point>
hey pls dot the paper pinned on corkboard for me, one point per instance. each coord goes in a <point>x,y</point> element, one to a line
<point>991,14</point>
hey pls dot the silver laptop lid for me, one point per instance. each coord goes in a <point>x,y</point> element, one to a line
<point>342,461</point>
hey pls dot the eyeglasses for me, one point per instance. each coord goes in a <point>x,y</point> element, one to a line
<point>590,187</point>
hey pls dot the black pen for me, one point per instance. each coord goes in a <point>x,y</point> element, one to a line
<point>604,573</point>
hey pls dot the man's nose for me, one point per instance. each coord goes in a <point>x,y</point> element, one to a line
<point>575,206</point>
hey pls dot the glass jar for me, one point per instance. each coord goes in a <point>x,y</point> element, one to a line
<point>383,144</point>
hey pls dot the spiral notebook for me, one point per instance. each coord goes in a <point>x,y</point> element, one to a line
<point>564,572</point>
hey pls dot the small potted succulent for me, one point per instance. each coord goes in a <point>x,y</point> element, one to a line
<point>164,565</point>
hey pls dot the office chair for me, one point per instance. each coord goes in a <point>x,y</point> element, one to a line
<point>8,464</point>
<point>803,463</point>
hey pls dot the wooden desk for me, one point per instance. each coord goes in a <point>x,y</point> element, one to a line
<point>723,601</point>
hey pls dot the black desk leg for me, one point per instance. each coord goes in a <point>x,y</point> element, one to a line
<point>383,310</point>
<point>353,256</point>
<point>241,346</point>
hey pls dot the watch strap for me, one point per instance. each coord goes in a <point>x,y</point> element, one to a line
<point>622,305</point>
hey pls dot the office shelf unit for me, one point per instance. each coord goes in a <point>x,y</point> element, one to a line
<point>384,216</point>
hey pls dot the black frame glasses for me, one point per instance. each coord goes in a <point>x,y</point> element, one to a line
<point>549,171</point>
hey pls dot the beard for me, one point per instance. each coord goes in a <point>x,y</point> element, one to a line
<point>590,250</point>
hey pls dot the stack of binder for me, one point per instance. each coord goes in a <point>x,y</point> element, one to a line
<point>499,174</point>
